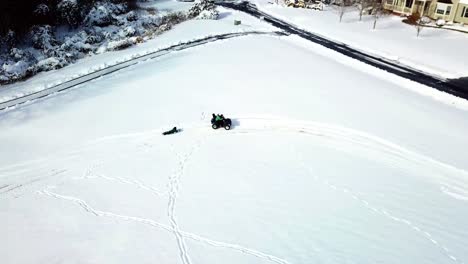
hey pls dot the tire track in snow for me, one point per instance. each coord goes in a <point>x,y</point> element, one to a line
<point>153,223</point>
<point>443,172</point>
<point>381,211</point>
<point>13,187</point>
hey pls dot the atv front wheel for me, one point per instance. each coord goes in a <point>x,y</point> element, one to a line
<point>227,127</point>
<point>214,126</point>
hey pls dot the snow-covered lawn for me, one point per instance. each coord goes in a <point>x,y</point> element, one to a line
<point>186,31</point>
<point>327,162</point>
<point>436,51</point>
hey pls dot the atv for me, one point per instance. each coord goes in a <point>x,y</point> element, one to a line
<point>219,121</point>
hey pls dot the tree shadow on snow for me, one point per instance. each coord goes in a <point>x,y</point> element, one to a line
<point>223,15</point>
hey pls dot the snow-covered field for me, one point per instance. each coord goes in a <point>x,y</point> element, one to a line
<point>435,51</point>
<point>327,163</point>
<point>184,32</point>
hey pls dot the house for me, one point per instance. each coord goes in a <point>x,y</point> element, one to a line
<point>449,10</point>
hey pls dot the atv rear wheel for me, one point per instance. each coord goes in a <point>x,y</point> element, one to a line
<point>214,126</point>
<point>227,127</point>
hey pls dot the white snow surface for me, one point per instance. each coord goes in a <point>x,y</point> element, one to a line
<point>436,51</point>
<point>328,161</point>
<point>184,32</point>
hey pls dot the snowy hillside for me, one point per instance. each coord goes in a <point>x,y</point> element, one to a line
<point>328,161</point>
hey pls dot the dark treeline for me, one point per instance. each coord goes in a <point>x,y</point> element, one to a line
<point>17,16</point>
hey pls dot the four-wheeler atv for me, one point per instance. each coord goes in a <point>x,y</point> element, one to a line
<point>219,121</point>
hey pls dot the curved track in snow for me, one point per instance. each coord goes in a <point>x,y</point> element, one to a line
<point>457,87</point>
<point>122,65</point>
<point>335,136</point>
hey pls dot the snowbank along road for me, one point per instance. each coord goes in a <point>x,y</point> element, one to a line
<point>457,87</point>
<point>125,64</point>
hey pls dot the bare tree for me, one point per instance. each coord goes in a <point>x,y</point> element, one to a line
<point>342,9</point>
<point>362,6</point>
<point>419,27</point>
<point>377,11</point>
<point>417,21</point>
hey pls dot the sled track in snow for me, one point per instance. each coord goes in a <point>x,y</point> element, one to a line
<point>457,87</point>
<point>122,65</point>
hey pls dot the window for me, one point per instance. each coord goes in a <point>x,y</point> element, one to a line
<point>389,2</point>
<point>465,12</point>
<point>409,3</point>
<point>443,9</point>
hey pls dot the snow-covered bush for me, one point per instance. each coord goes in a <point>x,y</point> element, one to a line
<point>77,44</point>
<point>94,37</point>
<point>48,64</point>
<point>43,38</point>
<point>41,10</point>
<point>173,18</point>
<point>127,32</point>
<point>17,54</point>
<point>12,71</point>
<point>105,13</point>
<point>9,40</point>
<point>440,22</point>
<point>99,16</point>
<point>132,16</point>
<point>209,14</point>
<point>203,9</point>
<point>425,20</point>
<point>68,12</point>
<point>123,43</point>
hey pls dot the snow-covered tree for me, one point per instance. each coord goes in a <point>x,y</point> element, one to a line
<point>43,38</point>
<point>41,10</point>
<point>68,12</point>
<point>10,39</point>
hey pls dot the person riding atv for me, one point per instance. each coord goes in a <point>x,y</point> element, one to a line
<point>219,121</point>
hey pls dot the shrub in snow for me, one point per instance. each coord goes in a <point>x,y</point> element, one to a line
<point>208,14</point>
<point>127,32</point>
<point>440,22</point>
<point>425,20</point>
<point>43,38</point>
<point>173,18</point>
<point>17,54</point>
<point>13,71</point>
<point>68,12</point>
<point>77,44</point>
<point>99,16</point>
<point>94,37</point>
<point>123,43</point>
<point>132,16</point>
<point>150,21</point>
<point>49,64</point>
<point>9,40</point>
<point>41,10</point>
<point>200,6</point>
